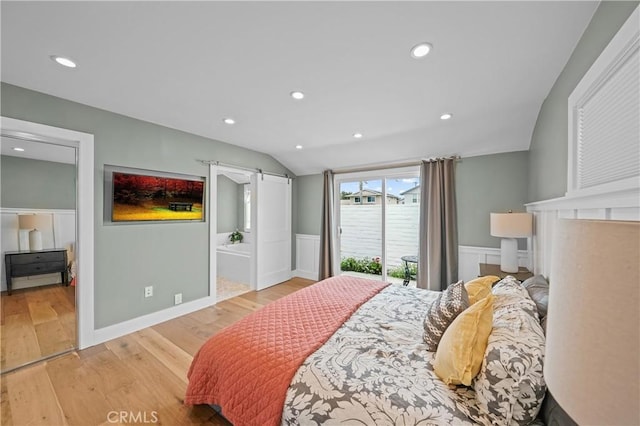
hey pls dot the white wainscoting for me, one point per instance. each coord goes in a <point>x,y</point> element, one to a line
<point>469,258</point>
<point>60,234</point>
<point>616,205</point>
<point>307,256</point>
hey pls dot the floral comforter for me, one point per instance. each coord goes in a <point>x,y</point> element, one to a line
<point>376,370</point>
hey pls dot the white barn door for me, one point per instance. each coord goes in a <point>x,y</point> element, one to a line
<point>273,230</point>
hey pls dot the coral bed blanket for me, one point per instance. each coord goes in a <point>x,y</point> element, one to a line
<point>247,367</point>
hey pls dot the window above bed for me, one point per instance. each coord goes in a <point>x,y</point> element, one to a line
<point>604,129</point>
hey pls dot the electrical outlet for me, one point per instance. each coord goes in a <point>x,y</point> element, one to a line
<point>177,299</point>
<point>148,291</point>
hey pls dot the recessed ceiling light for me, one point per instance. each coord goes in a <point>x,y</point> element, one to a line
<point>298,146</point>
<point>18,149</point>
<point>297,95</point>
<point>357,135</point>
<point>421,50</point>
<point>66,62</point>
<point>446,116</point>
<point>229,121</point>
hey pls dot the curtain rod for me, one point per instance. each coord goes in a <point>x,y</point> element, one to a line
<point>394,166</point>
<point>254,170</point>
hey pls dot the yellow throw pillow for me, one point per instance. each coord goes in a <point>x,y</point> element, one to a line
<point>480,288</point>
<point>461,349</point>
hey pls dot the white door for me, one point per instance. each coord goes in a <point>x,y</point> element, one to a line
<point>273,230</point>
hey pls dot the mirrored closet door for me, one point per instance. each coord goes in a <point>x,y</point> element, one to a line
<point>38,244</point>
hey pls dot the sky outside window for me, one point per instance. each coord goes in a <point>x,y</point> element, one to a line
<point>394,186</point>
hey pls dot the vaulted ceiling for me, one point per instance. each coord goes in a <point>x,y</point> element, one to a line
<point>189,65</point>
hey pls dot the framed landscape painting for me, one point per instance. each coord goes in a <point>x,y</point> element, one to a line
<point>134,195</point>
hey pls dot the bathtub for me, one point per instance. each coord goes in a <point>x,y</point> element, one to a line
<point>243,249</point>
<point>234,262</point>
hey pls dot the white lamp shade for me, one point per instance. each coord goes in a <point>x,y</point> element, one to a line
<point>592,361</point>
<point>27,221</point>
<point>511,225</point>
<point>34,223</point>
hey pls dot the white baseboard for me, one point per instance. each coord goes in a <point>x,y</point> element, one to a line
<point>309,275</point>
<point>111,332</point>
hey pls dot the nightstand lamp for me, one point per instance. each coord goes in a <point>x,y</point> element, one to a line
<point>29,221</point>
<point>510,226</point>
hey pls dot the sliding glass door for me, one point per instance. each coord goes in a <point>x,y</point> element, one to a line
<point>361,228</point>
<point>402,228</point>
<point>377,218</point>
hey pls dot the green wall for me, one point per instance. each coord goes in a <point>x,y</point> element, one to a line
<point>173,257</point>
<point>36,184</point>
<point>227,204</point>
<point>484,184</point>
<point>548,152</point>
<point>489,183</point>
<point>240,207</point>
<point>230,205</point>
<point>309,200</point>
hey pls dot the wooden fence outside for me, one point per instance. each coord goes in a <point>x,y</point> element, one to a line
<point>362,231</point>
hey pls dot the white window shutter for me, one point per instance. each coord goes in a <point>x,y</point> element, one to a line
<point>604,118</point>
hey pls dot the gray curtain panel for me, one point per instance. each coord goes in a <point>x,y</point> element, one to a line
<point>326,231</point>
<point>438,257</point>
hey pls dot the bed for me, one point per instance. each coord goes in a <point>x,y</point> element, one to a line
<point>351,350</point>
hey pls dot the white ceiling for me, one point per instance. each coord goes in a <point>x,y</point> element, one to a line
<point>37,150</point>
<point>187,65</point>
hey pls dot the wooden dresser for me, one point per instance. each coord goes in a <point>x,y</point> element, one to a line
<point>28,263</point>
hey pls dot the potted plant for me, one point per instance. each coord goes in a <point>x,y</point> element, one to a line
<point>236,237</point>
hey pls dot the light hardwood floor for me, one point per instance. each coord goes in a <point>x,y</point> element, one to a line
<point>143,374</point>
<point>36,322</point>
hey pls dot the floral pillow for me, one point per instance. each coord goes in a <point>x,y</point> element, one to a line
<point>511,293</point>
<point>510,386</point>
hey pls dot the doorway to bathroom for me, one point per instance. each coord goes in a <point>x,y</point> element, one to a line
<point>234,239</point>
<point>250,230</point>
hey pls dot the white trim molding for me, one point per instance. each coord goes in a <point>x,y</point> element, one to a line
<point>126,327</point>
<point>84,144</point>
<point>212,216</point>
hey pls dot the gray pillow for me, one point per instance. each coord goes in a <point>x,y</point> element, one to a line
<point>449,304</point>
<point>538,289</point>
